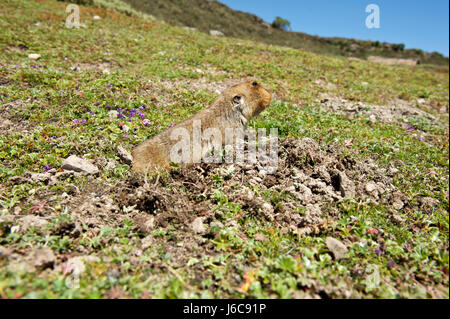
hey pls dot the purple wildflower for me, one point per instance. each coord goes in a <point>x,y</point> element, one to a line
<point>126,136</point>
<point>76,121</point>
<point>97,103</point>
<point>40,65</point>
<point>146,122</point>
<point>120,116</point>
<point>410,128</point>
<point>53,137</point>
<point>47,168</point>
<point>84,121</point>
<point>142,116</point>
<point>92,113</point>
<point>378,251</point>
<point>108,86</point>
<point>108,107</point>
<point>33,66</point>
<point>119,109</point>
<point>391,263</point>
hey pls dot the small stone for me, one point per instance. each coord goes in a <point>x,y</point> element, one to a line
<point>113,113</point>
<point>110,165</point>
<point>40,177</point>
<point>267,210</point>
<point>397,204</point>
<point>290,189</point>
<point>372,118</point>
<point>370,187</point>
<point>260,237</point>
<point>43,257</point>
<point>336,247</point>
<point>346,186</point>
<point>77,164</point>
<point>96,18</point>
<point>77,265</point>
<point>147,242</point>
<point>34,56</point>
<point>198,226</point>
<point>29,221</point>
<point>145,223</point>
<point>392,171</point>
<point>124,155</point>
<point>216,33</point>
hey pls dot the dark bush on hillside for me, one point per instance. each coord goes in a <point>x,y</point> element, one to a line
<point>398,47</point>
<point>281,23</point>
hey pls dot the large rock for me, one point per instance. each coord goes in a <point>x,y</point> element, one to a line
<point>77,164</point>
<point>336,247</point>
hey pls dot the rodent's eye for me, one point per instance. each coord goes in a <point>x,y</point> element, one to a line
<point>255,83</point>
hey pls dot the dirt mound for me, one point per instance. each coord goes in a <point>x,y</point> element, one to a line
<point>309,179</point>
<point>399,111</point>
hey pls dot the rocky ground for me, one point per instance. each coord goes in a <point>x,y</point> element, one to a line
<point>357,207</point>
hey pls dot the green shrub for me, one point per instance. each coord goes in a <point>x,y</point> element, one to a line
<point>281,23</point>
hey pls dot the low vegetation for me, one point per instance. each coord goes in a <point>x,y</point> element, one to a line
<point>378,180</point>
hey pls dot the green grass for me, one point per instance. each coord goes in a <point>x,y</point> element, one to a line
<point>413,262</point>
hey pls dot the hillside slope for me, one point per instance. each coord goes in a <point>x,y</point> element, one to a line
<point>213,15</point>
<point>358,207</point>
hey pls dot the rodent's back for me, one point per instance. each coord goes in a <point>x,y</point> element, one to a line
<point>232,109</point>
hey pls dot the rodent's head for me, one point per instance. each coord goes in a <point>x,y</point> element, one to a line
<point>250,98</point>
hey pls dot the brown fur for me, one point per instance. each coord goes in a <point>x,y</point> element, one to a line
<point>232,109</point>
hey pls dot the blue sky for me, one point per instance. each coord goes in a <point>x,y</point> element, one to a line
<point>416,23</point>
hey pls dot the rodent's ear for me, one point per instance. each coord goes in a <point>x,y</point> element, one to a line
<point>237,99</point>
